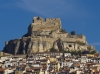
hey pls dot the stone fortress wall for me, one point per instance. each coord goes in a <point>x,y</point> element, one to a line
<point>39,24</point>
<point>45,34</point>
<point>54,25</point>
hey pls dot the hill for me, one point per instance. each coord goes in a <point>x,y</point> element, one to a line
<point>47,36</point>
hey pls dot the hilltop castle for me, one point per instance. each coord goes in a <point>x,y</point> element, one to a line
<point>44,34</point>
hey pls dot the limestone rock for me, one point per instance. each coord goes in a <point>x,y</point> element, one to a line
<point>42,35</point>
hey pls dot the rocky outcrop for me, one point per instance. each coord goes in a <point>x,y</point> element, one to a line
<point>43,35</point>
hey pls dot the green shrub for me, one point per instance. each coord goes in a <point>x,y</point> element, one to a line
<point>53,50</point>
<point>63,30</point>
<point>93,52</point>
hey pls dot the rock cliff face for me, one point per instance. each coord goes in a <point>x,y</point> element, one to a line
<point>46,34</point>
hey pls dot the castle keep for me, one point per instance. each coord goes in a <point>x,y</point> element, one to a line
<point>44,34</point>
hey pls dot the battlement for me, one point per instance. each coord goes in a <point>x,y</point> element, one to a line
<point>52,19</point>
<point>42,26</point>
<point>41,20</point>
<point>49,24</point>
<point>37,19</point>
<point>81,36</point>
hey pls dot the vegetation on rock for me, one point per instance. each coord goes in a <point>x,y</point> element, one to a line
<point>93,52</point>
<point>53,50</point>
<point>63,30</point>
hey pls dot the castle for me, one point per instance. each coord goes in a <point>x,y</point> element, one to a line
<point>44,34</point>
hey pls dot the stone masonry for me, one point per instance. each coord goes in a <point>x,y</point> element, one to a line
<point>44,34</point>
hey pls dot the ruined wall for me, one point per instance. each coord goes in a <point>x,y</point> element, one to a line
<point>48,25</point>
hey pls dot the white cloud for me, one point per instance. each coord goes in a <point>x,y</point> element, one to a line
<point>51,8</point>
<point>44,7</point>
<point>95,44</point>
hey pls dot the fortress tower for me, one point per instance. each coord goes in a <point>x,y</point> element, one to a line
<point>40,25</point>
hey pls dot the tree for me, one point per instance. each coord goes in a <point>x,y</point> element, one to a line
<point>93,52</point>
<point>53,50</point>
<point>73,52</point>
<point>79,52</point>
<point>72,32</point>
<point>63,30</point>
<point>76,52</point>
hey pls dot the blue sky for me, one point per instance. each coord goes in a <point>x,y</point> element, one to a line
<point>82,16</point>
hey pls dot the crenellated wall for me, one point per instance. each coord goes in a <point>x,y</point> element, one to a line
<point>50,24</point>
